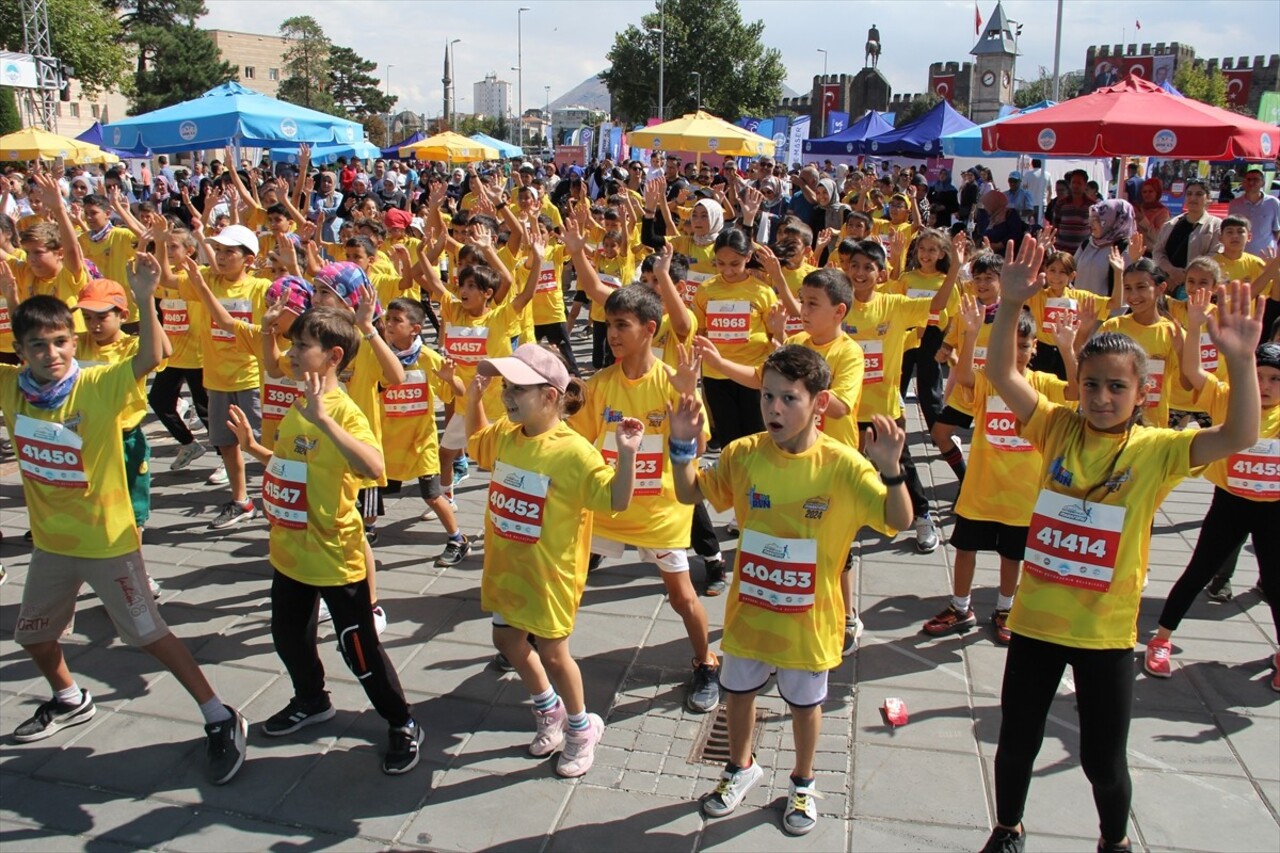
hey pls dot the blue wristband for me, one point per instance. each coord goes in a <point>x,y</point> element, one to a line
<point>682,451</point>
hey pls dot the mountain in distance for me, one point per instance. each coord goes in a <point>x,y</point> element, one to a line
<point>592,93</point>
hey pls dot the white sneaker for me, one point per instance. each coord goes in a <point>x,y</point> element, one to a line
<point>218,477</point>
<point>731,790</point>
<point>154,587</point>
<point>580,748</point>
<point>187,454</point>
<point>379,619</point>
<point>324,614</point>
<point>182,407</point>
<point>551,727</point>
<point>802,810</point>
<point>926,533</point>
<point>428,515</point>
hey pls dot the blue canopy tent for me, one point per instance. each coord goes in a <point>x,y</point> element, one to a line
<point>322,155</point>
<point>229,114</point>
<point>506,149</point>
<point>968,142</point>
<point>844,142</point>
<point>93,136</point>
<point>920,138</point>
<point>393,151</point>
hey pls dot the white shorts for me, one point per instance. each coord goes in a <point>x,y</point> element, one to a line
<point>454,436</point>
<point>798,688</point>
<point>672,560</point>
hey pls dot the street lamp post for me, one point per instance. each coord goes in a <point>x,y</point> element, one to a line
<point>453,86</point>
<point>662,57</point>
<point>388,113</point>
<point>822,93</point>
<point>520,73</point>
<point>546,116</point>
<point>698,75</point>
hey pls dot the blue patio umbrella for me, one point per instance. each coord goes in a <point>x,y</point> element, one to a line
<point>93,136</point>
<point>322,155</point>
<point>968,142</point>
<point>229,114</point>
<point>845,142</point>
<point>506,149</point>
<point>920,138</point>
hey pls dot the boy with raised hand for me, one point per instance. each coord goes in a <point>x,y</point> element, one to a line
<point>640,386</point>
<point>108,246</point>
<point>800,497</point>
<point>66,430</point>
<point>325,452</point>
<point>53,265</point>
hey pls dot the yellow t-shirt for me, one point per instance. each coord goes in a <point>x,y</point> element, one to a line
<point>1100,492</point>
<point>880,327</point>
<point>1046,308</point>
<point>409,419</point>
<point>362,379</point>
<point>702,265</point>
<point>63,286</point>
<point>89,354</point>
<point>666,344</point>
<point>1253,473</point>
<point>309,496</point>
<point>548,297</point>
<point>882,230</point>
<point>228,365</point>
<point>614,273</point>
<point>922,285</point>
<point>961,397</point>
<point>1244,268</point>
<point>794,279</point>
<point>655,518</point>
<point>182,316</point>
<point>537,538</point>
<point>111,255</point>
<point>736,319</point>
<point>71,461</point>
<point>1163,369</point>
<point>470,340</point>
<point>1004,468</point>
<point>844,355</point>
<point>798,514</point>
<point>1184,399</point>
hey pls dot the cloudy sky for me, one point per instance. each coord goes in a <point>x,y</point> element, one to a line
<point>565,41</point>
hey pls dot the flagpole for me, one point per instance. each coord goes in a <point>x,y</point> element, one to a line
<point>1057,53</point>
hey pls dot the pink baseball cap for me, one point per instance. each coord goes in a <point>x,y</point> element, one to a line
<point>530,364</point>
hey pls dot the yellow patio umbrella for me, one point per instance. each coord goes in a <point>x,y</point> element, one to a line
<point>32,143</point>
<point>701,133</point>
<point>450,147</point>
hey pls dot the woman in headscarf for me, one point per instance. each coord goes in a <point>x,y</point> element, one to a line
<point>944,199</point>
<point>997,223</point>
<point>1111,223</point>
<point>832,209</point>
<point>1153,214</point>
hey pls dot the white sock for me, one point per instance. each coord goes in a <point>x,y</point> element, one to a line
<point>960,603</point>
<point>214,711</point>
<point>1004,602</point>
<point>70,696</point>
<point>718,558</point>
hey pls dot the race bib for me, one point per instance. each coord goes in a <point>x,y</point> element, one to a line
<point>728,322</point>
<point>1056,308</point>
<point>174,317</point>
<point>49,453</point>
<point>517,502</point>
<point>408,399</point>
<point>548,281</point>
<point>979,358</point>
<point>5,324</point>
<point>777,574</point>
<point>466,344</point>
<point>689,287</point>
<point>1208,354</point>
<point>1255,472</point>
<point>1155,375</point>
<point>278,395</point>
<point>649,461</point>
<point>1072,542</point>
<point>239,309</point>
<point>1002,427</point>
<point>284,493</point>
<point>873,362</point>
<point>920,293</point>
<point>610,281</point>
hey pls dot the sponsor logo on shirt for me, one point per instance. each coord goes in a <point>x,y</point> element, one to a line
<point>73,423</point>
<point>882,330</point>
<point>758,500</point>
<point>655,419</point>
<point>816,507</point>
<point>1059,473</point>
<point>1114,484</point>
<point>612,416</point>
<point>302,445</point>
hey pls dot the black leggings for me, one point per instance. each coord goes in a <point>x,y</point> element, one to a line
<point>734,409</point>
<point>1104,701</point>
<point>293,629</point>
<point>703,537</point>
<point>166,387</point>
<point>601,352</point>
<point>928,374</point>
<point>1048,360</point>
<point>1229,522</point>
<point>915,488</point>
<point>557,334</point>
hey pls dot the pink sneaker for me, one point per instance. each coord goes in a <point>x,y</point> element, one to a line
<point>551,726</point>
<point>580,748</point>
<point>1156,662</point>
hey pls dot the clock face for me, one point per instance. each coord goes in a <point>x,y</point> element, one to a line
<point>988,78</point>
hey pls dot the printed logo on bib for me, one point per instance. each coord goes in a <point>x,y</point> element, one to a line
<point>278,395</point>
<point>1255,472</point>
<point>1155,375</point>
<point>873,362</point>
<point>979,358</point>
<point>408,399</point>
<point>284,493</point>
<point>728,322</point>
<point>174,316</point>
<point>648,462</point>
<point>777,574</point>
<point>1208,354</point>
<point>920,293</point>
<point>1056,308</point>
<point>517,502</point>
<point>466,344</point>
<point>1002,427</point>
<point>239,309</point>
<point>49,453</point>
<point>1073,543</point>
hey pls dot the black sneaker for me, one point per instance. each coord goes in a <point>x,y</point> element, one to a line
<point>402,751</point>
<point>594,562</point>
<point>1219,590</point>
<point>371,535</point>
<point>226,747</point>
<point>54,716</point>
<point>501,663</point>
<point>1005,841</point>
<point>704,688</point>
<point>715,583</point>
<point>232,514</point>
<point>298,715</point>
<point>454,552</point>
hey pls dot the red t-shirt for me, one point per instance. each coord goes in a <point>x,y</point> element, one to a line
<point>347,177</point>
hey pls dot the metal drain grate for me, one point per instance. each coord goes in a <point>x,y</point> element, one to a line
<point>712,745</point>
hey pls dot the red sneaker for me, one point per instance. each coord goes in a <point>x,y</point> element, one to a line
<point>1000,620</point>
<point>1156,662</point>
<point>950,621</point>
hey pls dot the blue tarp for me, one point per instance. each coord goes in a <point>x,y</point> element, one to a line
<point>920,138</point>
<point>506,149</point>
<point>968,142</point>
<point>322,155</point>
<point>225,115</point>
<point>393,151</point>
<point>93,136</point>
<point>845,142</point>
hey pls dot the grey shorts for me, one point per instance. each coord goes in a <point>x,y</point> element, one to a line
<point>220,402</point>
<point>53,581</point>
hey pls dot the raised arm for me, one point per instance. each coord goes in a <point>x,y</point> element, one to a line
<point>971,314</point>
<point>1197,313</point>
<point>392,369</point>
<point>153,344</point>
<point>1017,285</point>
<point>1235,331</point>
<point>678,314</point>
<point>72,258</point>
<point>685,426</point>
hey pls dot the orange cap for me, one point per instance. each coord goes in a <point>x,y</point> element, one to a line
<point>102,294</point>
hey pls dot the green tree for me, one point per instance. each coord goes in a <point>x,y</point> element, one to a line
<point>82,35</point>
<point>147,23</point>
<point>1041,88</point>
<point>10,116</point>
<point>355,90</point>
<point>740,76</point>
<point>184,64</point>
<point>306,64</point>
<point>1208,87</point>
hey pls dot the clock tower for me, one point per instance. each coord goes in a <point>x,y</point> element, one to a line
<point>997,52</point>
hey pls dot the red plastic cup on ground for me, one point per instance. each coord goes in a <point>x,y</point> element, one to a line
<point>895,711</point>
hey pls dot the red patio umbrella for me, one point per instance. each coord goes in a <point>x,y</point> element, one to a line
<point>1134,118</point>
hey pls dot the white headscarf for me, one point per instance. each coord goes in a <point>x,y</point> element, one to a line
<point>715,214</point>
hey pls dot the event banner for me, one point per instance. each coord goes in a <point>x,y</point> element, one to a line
<point>836,122</point>
<point>799,133</point>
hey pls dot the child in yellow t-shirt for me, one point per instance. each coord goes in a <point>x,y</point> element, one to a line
<point>54,264</point>
<point>547,481</point>
<point>1058,299</point>
<point>1090,531</point>
<point>1236,263</point>
<point>800,497</point>
<point>325,452</point>
<point>787,265</point>
<point>109,247</point>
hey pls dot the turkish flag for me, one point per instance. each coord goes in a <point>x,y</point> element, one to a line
<point>977,20</point>
<point>831,97</point>
<point>1238,81</point>
<point>944,85</point>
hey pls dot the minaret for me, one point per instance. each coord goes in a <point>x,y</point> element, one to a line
<point>448,89</point>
